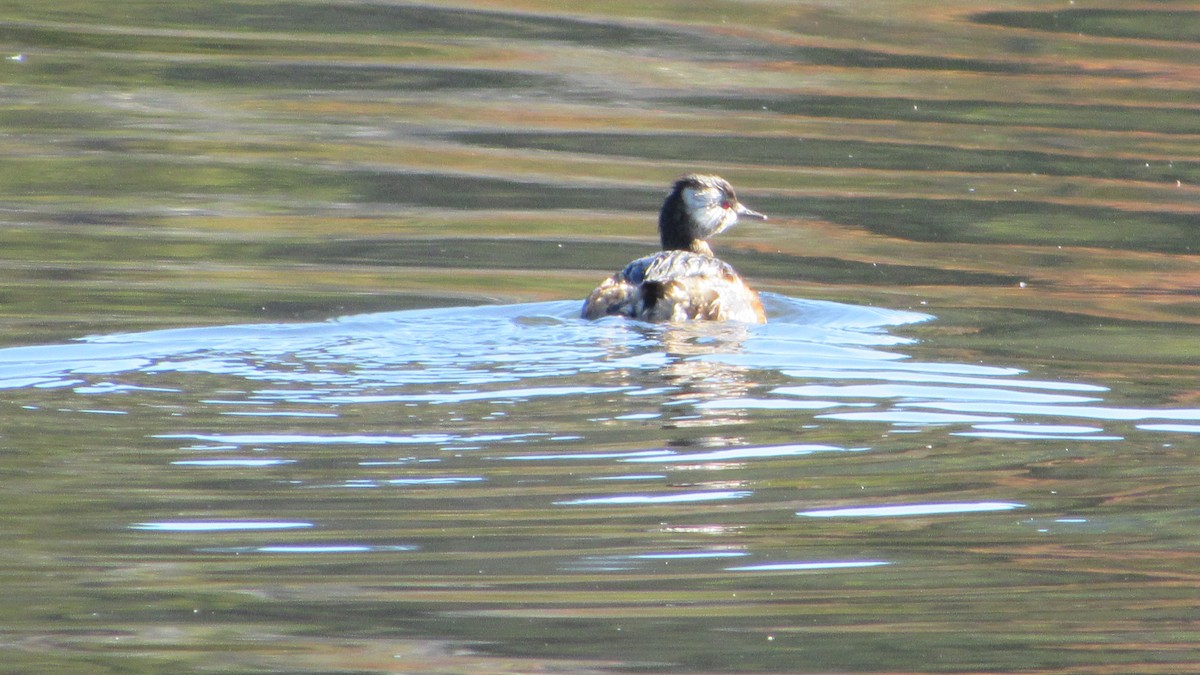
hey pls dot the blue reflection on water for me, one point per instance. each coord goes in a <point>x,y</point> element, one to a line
<point>234,462</point>
<point>673,498</point>
<point>738,453</point>
<point>808,566</point>
<point>901,510</point>
<point>323,549</point>
<point>218,525</point>
<point>845,364</point>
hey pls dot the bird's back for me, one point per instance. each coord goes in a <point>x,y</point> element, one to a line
<point>676,286</point>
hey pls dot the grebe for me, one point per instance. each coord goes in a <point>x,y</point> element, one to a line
<point>684,280</point>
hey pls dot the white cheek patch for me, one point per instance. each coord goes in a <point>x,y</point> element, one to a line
<point>699,200</point>
<point>710,221</point>
<point>705,208</point>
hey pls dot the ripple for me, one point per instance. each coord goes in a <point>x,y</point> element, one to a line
<point>841,356</point>
<point>902,391</point>
<point>250,463</point>
<point>1048,430</point>
<point>901,510</point>
<point>347,439</point>
<point>807,566</point>
<point>914,418</point>
<point>1175,428</point>
<point>766,404</point>
<point>330,548</point>
<point>218,526</point>
<point>349,360</point>
<point>689,555</point>
<point>591,455</point>
<point>1085,412</point>
<point>321,549</point>
<point>278,413</point>
<point>741,453</point>
<point>682,498</point>
<point>1014,435</point>
<point>436,480</point>
<point>937,372</point>
<point>460,397</point>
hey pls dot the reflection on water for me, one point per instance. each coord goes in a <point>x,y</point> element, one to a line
<point>909,510</point>
<point>509,356</point>
<point>460,476</point>
<point>518,451</point>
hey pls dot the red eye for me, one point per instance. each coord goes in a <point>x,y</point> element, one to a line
<point>726,205</point>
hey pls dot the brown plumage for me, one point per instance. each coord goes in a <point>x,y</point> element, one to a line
<point>684,281</point>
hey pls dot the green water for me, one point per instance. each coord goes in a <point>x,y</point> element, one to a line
<point>965,442</point>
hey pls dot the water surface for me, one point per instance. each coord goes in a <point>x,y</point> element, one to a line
<point>292,378</point>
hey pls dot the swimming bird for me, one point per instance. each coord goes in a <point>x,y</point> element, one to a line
<point>684,281</point>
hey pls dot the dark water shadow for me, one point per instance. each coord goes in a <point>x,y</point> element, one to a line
<point>1144,23</point>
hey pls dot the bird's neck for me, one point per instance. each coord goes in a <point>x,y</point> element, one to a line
<point>687,244</point>
<point>675,231</point>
